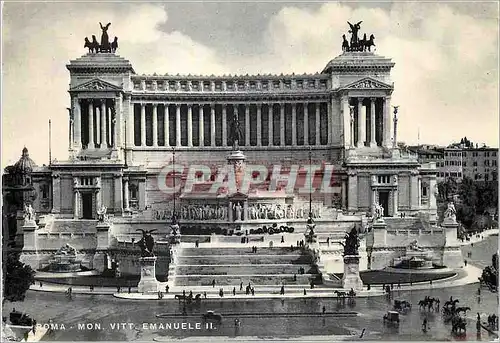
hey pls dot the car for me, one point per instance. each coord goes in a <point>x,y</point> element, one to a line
<point>391,317</point>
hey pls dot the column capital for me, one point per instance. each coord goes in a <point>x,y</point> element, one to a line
<point>212,106</point>
<point>224,105</point>
<point>189,105</point>
<point>360,98</point>
<point>373,99</point>
<point>155,105</point>
<point>259,104</point>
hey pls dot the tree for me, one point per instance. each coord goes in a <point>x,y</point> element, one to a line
<point>18,278</point>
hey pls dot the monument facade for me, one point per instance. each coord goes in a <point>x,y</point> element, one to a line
<point>125,129</point>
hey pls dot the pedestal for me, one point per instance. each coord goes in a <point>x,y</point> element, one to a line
<point>29,253</point>
<point>148,283</point>
<point>351,277</point>
<point>237,159</point>
<point>100,260</point>
<point>452,254</point>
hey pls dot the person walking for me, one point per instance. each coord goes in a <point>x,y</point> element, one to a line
<point>234,290</point>
<point>324,309</point>
<point>167,288</point>
<point>424,325</point>
<point>241,286</point>
<point>213,283</point>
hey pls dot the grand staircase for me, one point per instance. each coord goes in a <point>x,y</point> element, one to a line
<point>232,264</point>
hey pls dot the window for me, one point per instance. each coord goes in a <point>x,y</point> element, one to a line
<point>45,191</point>
<point>494,154</point>
<point>464,164</point>
<point>133,192</point>
<point>446,163</point>
<point>474,164</point>
<point>493,163</point>
<point>424,191</point>
<point>486,177</point>
<point>459,174</point>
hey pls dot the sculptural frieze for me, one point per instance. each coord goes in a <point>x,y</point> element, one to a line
<point>367,84</point>
<point>105,45</point>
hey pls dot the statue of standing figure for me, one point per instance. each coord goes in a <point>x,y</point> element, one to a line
<point>237,207</point>
<point>236,134</point>
<point>29,214</point>
<point>105,46</point>
<point>451,212</point>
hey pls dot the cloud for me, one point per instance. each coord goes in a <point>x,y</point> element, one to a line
<point>446,73</point>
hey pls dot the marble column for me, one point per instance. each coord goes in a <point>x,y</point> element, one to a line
<point>166,125</point>
<point>143,124</point>
<point>212,124</point>
<point>178,125</point>
<point>259,124</point>
<point>224,126</point>
<point>395,203</point>
<point>352,197</point>
<point>282,124</point>
<point>247,125</point>
<point>76,202</point>
<point>361,139</point>
<point>118,120</point>
<point>346,120</point>
<point>419,203</point>
<point>118,205</point>
<point>201,129</point>
<point>98,125</point>
<point>125,194</point>
<point>190,124</point>
<point>386,125</point>
<point>77,124</point>
<point>294,124</point>
<point>109,117</point>
<point>270,126</point>
<point>344,193</point>
<point>306,124</point>
<point>373,142</point>
<point>330,122</point>
<point>129,117</point>
<point>155,125</point>
<point>91,125</point>
<point>318,124</point>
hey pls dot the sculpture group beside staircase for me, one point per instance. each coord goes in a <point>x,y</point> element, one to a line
<point>148,282</point>
<point>351,278</point>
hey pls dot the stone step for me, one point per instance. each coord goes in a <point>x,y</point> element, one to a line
<point>246,251</point>
<point>234,280</point>
<point>243,259</point>
<point>253,269</point>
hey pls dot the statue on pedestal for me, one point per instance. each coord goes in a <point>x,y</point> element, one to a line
<point>146,243</point>
<point>451,212</point>
<point>379,211</point>
<point>235,134</point>
<point>29,214</point>
<point>239,209</point>
<point>101,214</point>
<point>351,244</point>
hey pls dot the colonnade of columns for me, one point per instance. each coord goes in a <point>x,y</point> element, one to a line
<point>96,123</point>
<point>208,115</point>
<point>363,114</point>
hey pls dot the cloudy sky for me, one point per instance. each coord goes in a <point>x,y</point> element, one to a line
<point>446,55</point>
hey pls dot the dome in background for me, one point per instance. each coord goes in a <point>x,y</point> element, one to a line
<point>25,164</point>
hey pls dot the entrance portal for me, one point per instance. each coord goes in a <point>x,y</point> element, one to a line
<point>383,197</point>
<point>87,206</point>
